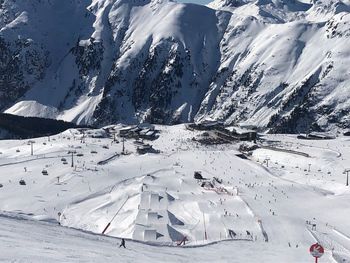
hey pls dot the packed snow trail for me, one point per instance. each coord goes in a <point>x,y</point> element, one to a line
<point>23,240</point>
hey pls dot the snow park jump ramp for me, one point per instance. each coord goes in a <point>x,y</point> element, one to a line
<point>146,213</point>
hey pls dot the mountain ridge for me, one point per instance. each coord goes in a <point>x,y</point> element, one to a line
<point>280,65</point>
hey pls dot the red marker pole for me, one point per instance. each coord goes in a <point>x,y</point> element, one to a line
<point>105,229</point>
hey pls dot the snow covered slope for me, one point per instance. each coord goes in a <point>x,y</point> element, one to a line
<point>154,198</point>
<point>22,240</point>
<point>280,64</point>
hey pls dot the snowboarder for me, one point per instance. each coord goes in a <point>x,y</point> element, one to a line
<point>122,244</point>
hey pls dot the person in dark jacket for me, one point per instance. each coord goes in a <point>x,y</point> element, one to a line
<point>122,244</point>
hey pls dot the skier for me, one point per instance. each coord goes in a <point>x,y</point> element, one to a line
<point>122,244</point>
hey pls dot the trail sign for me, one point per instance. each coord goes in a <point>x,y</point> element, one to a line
<point>316,250</point>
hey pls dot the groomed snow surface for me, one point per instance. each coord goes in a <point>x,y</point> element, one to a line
<point>255,211</point>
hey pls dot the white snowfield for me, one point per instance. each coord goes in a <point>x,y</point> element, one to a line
<point>30,241</point>
<point>271,207</point>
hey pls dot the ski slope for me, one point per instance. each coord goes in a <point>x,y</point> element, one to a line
<point>29,241</point>
<point>251,210</point>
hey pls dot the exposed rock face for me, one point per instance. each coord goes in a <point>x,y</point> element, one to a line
<point>282,65</point>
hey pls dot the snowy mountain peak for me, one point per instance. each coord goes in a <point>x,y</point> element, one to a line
<point>325,9</point>
<point>275,11</point>
<point>322,9</point>
<point>218,4</point>
<point>102,61</point>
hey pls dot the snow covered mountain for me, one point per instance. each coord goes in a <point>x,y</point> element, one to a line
<point>282,65</point>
